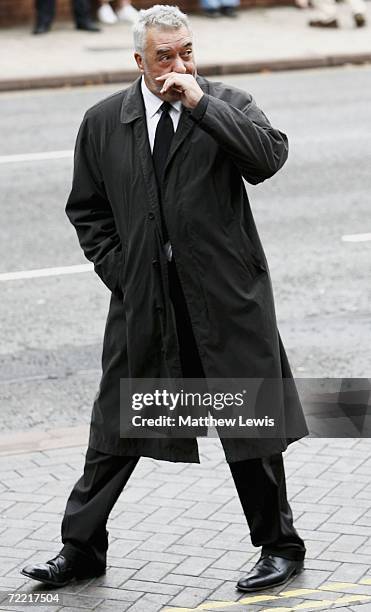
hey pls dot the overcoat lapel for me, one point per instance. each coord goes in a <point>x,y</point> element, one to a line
<point>133,111</point>
<point>142,144</point>
<point>186,124</point>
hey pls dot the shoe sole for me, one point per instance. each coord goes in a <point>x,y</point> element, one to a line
<point>62,584</point>
<point>50,582</point>
<point>272,586</point>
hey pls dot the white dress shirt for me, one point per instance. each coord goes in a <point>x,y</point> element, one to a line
<point>152,105</point>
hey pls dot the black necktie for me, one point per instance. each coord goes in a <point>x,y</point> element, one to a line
<point>161,147</point>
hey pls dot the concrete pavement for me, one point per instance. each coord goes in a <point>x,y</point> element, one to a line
<point>260,39</point>
<point>178,537</point>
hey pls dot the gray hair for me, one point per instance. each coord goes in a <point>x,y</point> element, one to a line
<point>158,16</point>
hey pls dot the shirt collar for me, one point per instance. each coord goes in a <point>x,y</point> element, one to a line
<point>152,102</point>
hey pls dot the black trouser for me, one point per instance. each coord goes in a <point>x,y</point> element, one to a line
<point>260,482</point>
<point>45,11</point>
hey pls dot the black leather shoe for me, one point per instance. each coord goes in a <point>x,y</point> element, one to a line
<point>321,23</point>
<point>212,13</point>
<point>59,571</point>
<point>228,11</point>
<point>268,572</point>
<point>359,20</point>
<point>88,26</point>
<point>41,28</point>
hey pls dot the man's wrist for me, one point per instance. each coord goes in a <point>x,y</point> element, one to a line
<point>199,110</point>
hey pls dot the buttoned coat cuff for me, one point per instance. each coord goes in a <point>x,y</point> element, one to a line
<point>199,110</point>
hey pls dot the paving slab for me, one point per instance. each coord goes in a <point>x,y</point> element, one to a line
<point>178,558</point>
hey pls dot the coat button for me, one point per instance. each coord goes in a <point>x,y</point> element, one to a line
<point>151,215</point>
<point>155,262</point>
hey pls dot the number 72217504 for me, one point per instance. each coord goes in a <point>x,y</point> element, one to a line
<point>33,598</point>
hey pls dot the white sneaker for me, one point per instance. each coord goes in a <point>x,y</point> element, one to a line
<point>106,14</point>
<point>128,13</point>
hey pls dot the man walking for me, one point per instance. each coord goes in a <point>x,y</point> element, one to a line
<point>159,205</point>
<point>45,11</point>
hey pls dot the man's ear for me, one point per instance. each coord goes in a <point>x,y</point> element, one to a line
<point>139,60</point>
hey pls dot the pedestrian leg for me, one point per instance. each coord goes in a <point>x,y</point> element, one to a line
<point>228,8</point>
<point>90,503</point>
<point>45,11</point>
<point>82,15</point>
<point>261,487</point>
<point>211,8</point>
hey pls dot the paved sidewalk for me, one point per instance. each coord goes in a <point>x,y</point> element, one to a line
<point>262,38</point>
<point>178,538</point>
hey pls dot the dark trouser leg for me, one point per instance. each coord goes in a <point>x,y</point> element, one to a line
<point>261,487</point>
<point>81,11</point>
<point>90,502</point>
<point>45,10</point>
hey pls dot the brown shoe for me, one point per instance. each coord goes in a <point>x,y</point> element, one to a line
<point>360,20</point>
<point>320,23</point>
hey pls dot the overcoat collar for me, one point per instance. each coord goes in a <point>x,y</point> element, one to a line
<point>132,105</point>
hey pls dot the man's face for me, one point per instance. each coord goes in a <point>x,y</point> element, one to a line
<point>166,51</point>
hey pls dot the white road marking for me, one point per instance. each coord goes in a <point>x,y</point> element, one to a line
<point>26,157</point>
<point>356,237</point>
<point>23,274</point>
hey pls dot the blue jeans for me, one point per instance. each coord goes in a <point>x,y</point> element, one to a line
<point>217,4</point>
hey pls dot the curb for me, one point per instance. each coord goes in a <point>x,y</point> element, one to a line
<point>125,76</point>
<point>16,443</point>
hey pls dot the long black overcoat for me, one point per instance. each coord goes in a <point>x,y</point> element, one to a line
<point>114,208</point>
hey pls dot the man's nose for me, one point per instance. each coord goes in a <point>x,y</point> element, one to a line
<point>179,66</point>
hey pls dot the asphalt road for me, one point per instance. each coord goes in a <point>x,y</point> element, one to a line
<point>52,327</point>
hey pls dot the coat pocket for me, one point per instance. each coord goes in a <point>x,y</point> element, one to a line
<point>249,253</point>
